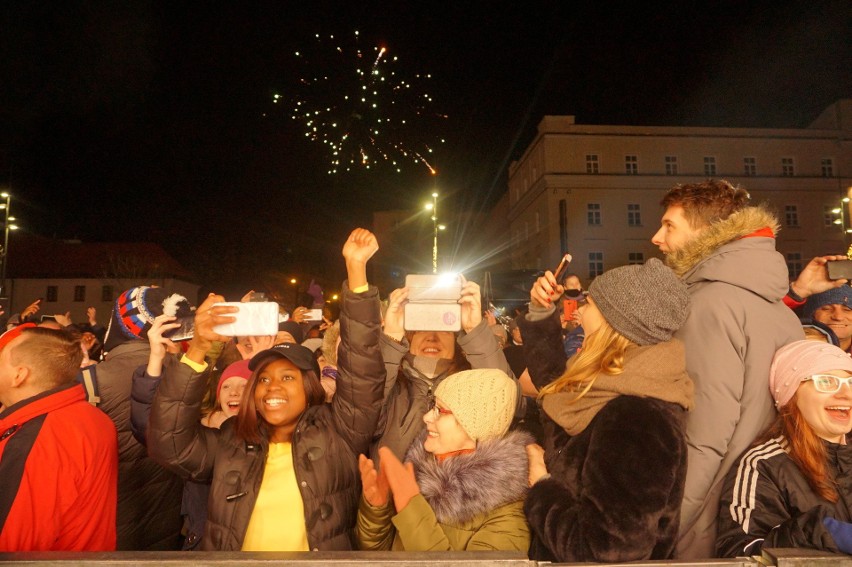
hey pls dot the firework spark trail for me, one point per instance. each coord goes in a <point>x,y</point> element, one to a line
<point>364,117</point>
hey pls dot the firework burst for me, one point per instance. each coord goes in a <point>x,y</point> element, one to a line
<point>359,105</point>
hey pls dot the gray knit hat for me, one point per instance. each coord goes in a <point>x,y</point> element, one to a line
<point>840,295</point>
<point>646,302</point>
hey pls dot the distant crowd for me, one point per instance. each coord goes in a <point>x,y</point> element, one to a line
<point>692,408</point>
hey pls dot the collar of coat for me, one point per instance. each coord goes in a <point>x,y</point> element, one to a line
<point>741,224</point>
<point>465,486</point>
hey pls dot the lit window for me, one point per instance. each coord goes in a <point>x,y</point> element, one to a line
<point>791,215</point>
<point>709,166</point>
<point>827,167</point>
<point>787,167</point>
<point>595,264</point>
<point>634,215</point>
<point>750,166</point>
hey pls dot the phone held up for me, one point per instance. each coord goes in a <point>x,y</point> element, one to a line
<point>254,319</point>
<point>433,302</point>
<point>839,269</point>
<point>563,265</point>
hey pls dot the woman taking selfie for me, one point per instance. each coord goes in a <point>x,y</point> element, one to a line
<point>609,483</point>
<point>284,473</point>
<point>794,488</point>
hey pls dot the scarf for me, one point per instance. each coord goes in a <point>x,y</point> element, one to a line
<point>653,371</point>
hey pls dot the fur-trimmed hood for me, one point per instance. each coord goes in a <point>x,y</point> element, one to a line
<point>723,253</point>
<point>465,486</point>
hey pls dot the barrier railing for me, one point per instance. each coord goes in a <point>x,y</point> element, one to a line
<point>770,557</point>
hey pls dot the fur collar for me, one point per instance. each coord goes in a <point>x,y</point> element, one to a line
<point>465,486</point>
<point>740,224</point>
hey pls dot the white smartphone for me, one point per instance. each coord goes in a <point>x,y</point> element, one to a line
<point>313,315</point>
<point>254,319</point>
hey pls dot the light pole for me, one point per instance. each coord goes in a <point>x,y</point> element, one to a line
<point>841,210</point>
<point>6,205</point>
<point>433,206</point>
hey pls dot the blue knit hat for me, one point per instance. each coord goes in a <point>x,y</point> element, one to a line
<point>840,296</point>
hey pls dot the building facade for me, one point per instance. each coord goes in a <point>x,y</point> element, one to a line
<point>594,190</point>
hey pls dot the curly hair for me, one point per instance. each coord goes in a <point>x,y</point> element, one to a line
<point>706,202</point>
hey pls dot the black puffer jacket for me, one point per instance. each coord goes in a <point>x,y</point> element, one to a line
<point>326,442</point>
<point>767,501</point>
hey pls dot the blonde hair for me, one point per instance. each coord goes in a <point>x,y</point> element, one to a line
<point>603,351</point>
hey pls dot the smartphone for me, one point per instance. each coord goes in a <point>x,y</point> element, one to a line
<point>313,315</point>
<point>433,302</point>
<point>563,265</point>
<point>254,319</point>
<point>839,269</point>
<point>257,296</point>
<point>183,333</point>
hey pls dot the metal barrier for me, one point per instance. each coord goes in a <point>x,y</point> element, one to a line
<point>771,557</point>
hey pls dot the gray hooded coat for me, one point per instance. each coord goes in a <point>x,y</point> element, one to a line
<point>736,323</point>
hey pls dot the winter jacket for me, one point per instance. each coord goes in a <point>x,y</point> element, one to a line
<point>471,502</point>
<point>767,502</point>
<point>326,442</point>
<point>193,505</point>
<point>736,323</point>
<point>615,489</point>
<point>408,392</point>
<point>149,496</point>
<point>58,474</point>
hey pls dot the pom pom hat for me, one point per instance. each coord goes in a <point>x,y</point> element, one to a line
<point>482,401</point>
<point>800,359</point>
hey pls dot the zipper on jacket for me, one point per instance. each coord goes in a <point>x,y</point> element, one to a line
<point>232,497</point>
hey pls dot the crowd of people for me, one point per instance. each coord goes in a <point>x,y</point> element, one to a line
<point>692,408</point>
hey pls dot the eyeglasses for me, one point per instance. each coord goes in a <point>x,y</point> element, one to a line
<point>828,383</point>
<point>438,411</point>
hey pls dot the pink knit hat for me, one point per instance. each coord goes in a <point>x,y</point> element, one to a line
<point>240,369</point>
<point>801,359</point>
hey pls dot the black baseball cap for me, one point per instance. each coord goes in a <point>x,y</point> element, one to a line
<point>300,356</point>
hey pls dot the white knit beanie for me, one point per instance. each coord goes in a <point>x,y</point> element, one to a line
<point>482,401</point>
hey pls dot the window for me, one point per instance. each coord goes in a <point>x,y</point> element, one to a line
<point>671,165</point>
<point>106,293</point>
<point>827,167</point>
<point>787,166</point>
<point>593,214</point>
<point>79,293</point>
<point>709,166</point>
<point>563,225</point>
<point>791,215</point>
<point>794,264</point>
<point>52,293</point>
<point>595,264</point>
<point>635,258</point>
<point>634,215</point>
<point>749,166</point>
<point>592,165</point>
<point>631,165</point>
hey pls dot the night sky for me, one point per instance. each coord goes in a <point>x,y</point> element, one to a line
<point>154,120</point>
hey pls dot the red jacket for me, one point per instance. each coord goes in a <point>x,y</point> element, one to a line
<point>66,493</point>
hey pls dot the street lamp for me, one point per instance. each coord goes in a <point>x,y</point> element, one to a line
<point>433,206</point>
<point>6,205</point>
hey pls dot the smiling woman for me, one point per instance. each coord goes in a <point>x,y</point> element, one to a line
<point>283,473</point>
<point>792,488</point>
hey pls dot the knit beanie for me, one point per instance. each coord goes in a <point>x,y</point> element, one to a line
<point>840,295</point>
<point>646,302</point>
<point>482,401</point>
<point>239,369</point>
<point>134,312</point>
<point>801,359</point>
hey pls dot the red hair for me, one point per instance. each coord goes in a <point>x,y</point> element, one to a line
<point>806,448</point>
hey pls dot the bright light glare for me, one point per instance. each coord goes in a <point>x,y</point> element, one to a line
<point>447,279</point>
<point>428,206</point>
